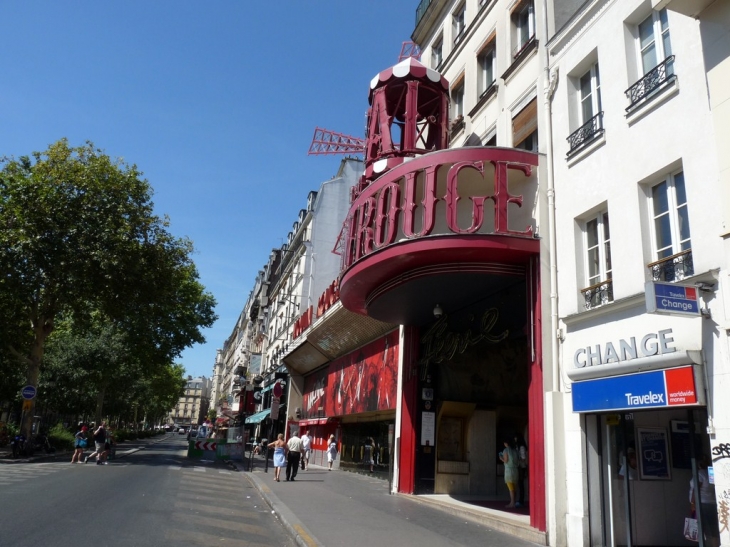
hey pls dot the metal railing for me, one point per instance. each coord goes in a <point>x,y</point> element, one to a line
<point>673,268</point>
<point>585,133</point>
<point>598,294</point>
<point>657,77</point>
<point>421,10</point>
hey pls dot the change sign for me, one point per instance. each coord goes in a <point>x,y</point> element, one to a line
<point>671,298</point>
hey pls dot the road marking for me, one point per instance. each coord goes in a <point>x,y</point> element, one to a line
<point>225,472</point>
<point>202,469</point>
<point>176,467</point>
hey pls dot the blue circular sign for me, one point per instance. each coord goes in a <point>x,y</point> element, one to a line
<point>28,392</point>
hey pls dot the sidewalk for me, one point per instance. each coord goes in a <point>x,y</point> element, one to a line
<point>122,449</point>
<point>332,508</point>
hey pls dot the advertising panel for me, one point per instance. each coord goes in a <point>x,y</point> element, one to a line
<point>660,388</point>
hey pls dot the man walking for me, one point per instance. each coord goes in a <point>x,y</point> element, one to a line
<point>306,449</point>
<point>99,444</point>
<point>294,445</point>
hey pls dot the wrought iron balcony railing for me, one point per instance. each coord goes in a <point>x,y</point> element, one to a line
<point>598,294</point>
<point>585,133</point>
<point>673,268</point>
<point>657,77</point>
<point>421,10</point>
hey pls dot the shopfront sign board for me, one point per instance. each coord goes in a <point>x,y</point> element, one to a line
<point>672,298</point>
<point>655,389</point>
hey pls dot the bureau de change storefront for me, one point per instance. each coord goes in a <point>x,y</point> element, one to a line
<point>639,383</point>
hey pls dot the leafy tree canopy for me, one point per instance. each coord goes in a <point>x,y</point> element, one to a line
<point>78,236</point>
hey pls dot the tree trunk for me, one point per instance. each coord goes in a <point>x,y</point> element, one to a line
<point>99,405</point>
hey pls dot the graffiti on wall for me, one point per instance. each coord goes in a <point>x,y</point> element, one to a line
<point>723,511</point>
<point>720,451</point>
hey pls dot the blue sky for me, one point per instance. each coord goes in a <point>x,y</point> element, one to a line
<point>216,102</point>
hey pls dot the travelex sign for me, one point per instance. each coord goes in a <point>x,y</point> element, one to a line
<point>671,298</point>
<point>659,388</point>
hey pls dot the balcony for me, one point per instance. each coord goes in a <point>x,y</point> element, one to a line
<point>598,294</point>
<point>585,133</point>
<point>657,78</point>
<point>457,125</point>
<point>672,268</point>
<point>421,10</point>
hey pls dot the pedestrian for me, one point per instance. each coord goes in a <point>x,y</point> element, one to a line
<point>279,447</point>
<point>510,459</point>
<point>99,442</point>
<point>109,446</point>
<point>306,449</point>
<point>79,444</point>
<point>331,451</point>
<point>521,448</point>
<point>708,503</point>
<point>367,456</point>
<point>294,453</point>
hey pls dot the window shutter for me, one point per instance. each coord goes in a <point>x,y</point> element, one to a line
<point>524,123</point>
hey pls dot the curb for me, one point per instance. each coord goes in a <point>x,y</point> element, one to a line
<point>300,533</point>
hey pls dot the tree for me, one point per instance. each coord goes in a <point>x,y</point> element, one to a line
<point>78,235</point>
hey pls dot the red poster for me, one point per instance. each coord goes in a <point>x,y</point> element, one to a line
<point>364,380</point>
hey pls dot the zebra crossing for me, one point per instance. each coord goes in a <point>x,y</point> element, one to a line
<point>15,473</point>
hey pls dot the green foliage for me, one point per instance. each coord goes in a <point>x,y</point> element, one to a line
<point>79,242</point>
<point>60,438</point>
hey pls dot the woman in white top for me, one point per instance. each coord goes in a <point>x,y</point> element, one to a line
<point>331,451</point>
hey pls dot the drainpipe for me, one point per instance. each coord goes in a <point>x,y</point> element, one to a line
<point>551,81</point>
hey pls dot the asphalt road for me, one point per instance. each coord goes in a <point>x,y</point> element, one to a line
<point>152,497</point>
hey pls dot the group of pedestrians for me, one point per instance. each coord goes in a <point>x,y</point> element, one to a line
<point>103,443</point>
<point>295,453</point>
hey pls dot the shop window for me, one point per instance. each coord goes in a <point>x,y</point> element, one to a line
<point>671,244</point>
<point>599,273</point>
<point>655,59</point>
<point>524,128</point>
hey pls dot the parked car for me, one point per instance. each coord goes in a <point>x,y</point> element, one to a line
<point>181,431</point>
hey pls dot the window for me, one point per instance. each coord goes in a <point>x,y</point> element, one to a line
<point>523,22</point>
<point>590,94</point>
<point>524,127</point>
<point>654,50</point>
<point>458,23</point>
<point>598,261</point>
<point>457,102</point>
<point>437,53</point>
<point>654,44</point>
<point>590,116</point>
<point>486,61</point>
<point>670,230</point>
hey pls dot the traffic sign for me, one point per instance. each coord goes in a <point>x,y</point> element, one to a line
<point>205,445</point>
<point>27,404</point>
<point>28,392</point>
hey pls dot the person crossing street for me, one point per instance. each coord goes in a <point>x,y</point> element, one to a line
<point>100,445</point>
